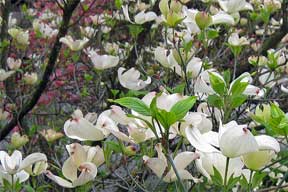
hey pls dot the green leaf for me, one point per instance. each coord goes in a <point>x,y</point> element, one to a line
<point>258,178</point>
<point>180,88</point>
<point>212,34</point>
<point>216,177</point>
<point>118,3</point>
<point>238,87</point>
<point>227,76</point>
<point>135,104</point>
<point>28,188</point>
<point>166,118</point>
<point>135,30</point>
<point>181,108</point>
<point>88,77</point>
<point>232,181</point>
<point>238,100</point>
<point>276,112</point>
<point>215,101</point>
<point>218,84</point>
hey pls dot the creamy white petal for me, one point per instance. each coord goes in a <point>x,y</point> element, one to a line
<point>88,173</point>
<point>81,129</point>
<point>69,169</point>
<point>59,180</point>
<point>157,165</point>
<point>266,142</point>
<point>198,141</point>
<point>182,160</point>
<point>31,159</point>
<point>236,141</point>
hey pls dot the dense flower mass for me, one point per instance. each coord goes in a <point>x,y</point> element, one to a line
<point>134,95</point>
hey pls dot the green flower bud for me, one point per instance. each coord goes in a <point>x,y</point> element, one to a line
<point>203,20</point>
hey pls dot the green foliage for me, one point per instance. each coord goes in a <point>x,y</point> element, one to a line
<point>135,30</point>
<point>218,84</point>
<point>134,104</point>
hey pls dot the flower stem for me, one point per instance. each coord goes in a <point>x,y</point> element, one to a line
<point>176,172</point>
<point>250,181</point>
<point>226,174</point>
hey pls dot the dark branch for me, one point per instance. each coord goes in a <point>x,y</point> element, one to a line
<point>68,10</point>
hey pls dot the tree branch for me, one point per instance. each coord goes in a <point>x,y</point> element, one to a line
<point>67,13</point>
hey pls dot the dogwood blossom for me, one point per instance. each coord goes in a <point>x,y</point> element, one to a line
<point>82,158</point>
<point>159,164</point>
<point>74,45</point>
<point>130,79</point>
<point>14,166</point>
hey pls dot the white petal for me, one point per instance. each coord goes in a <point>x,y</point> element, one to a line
<point>77,153</point>
<point>266,142</point>
<point>59,180</point>
<point>69,169</point>
<point>194,66</point>
<point>32,158</point>
<point>236,141</point>
<point>21,176</point>
<point>88,173</point>
<point>81,129</point>
<point>155,164</point>
<point>196,140</point>
<point>182,160</point>
<point>184,175</point>
<point>222,17</point>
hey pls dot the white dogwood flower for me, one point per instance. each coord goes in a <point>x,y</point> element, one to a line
<point>74,45</point>
<point>131,79</point>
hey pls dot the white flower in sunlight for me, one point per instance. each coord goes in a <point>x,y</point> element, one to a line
<point>30,78</point>
<point>14,166</point>
<point>235,41</point>
<point>234,6</point>
<point>81,128</point>
<point>242,139</point>
<point>83,159</point>
<point>14,64</point>
<point>222,18</point>
<point>268,146</point>
<point>207,161</point>
<point>20,36</point>
<point>141,17</point>
<point>44,29</point>
<point>194,66</point>
<point>194,119</point>
<point>130,79</point>
<point>74,45</point>
<point>101,62</point>
<point>88,31</point>
<point>219,18</point>
<point>39,168</point>
<point>159,165</point>
<point>202,84</point>
<point>5,74</point>
<point>136,134</point>
<point>267,77</point>
<point>209,111</point>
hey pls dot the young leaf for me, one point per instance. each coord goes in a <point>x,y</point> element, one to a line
<point>216,177</point>
<point>181,108</point>
<point>216,101</point>
<point>238,100</point>
<point>218,84</point>
<point>135,104</point>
